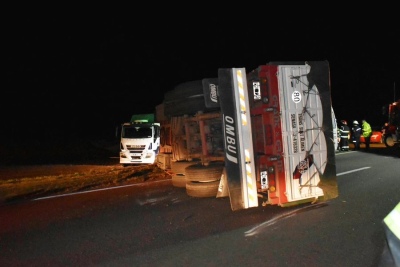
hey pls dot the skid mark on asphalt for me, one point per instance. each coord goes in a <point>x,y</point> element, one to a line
<point>170,198</point>
<point>259,228</point>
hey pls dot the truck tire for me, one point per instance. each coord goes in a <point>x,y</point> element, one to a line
<point>178,167</point>
<point>178,172</point>
<point>178,180</point>
<point>185,98</point>
<point>185,90</point>
<point>202,189</point>
<point>185,106</point>
<point>200,173</point>
<point>389,141</point>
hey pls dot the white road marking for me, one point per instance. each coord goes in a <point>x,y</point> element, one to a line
<point>89,191</point>
<point>115,187</point>
<point>356,170</point>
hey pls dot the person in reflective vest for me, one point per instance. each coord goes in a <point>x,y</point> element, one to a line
<point>366,132</point>
<point>344,136</point>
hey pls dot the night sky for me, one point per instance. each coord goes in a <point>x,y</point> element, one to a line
<point>71,78</point>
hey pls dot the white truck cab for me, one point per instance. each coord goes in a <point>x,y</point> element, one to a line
<point>140,140</point>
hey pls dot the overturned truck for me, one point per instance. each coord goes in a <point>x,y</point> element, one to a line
<point>259,137</point>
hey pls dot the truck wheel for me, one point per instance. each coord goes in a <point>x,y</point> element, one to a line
<point>202,189</point>
<point>178,168</point>
<point>185,90</point>
<point>185,106</point>
<point>178,180</point>
<point>185,98</point>
<point>200,173</point>
<point>389,142</point>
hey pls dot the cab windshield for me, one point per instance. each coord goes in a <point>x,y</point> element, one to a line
<point>137,132</point>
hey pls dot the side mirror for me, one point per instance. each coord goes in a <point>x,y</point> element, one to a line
<point>118,132</point>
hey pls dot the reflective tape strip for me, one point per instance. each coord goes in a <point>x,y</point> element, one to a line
<point>247,175</point>
<point>251,187</point>
<point>392,220</point>
<point>241,96</point>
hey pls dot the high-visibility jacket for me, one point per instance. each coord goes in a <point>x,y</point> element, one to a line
<point>366,128</point>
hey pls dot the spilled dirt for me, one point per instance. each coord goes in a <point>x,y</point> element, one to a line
<point>32,181</point>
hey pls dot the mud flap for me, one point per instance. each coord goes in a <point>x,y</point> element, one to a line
<point>210,89</point>
<point>330,188</point>
<point>223,186</point>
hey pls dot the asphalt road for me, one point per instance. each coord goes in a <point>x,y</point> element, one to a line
<point>160,225</point>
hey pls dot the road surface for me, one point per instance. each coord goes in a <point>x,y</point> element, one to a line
<point>148,225</point>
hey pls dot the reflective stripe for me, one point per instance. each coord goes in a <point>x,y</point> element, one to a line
<point>392,220</point>
<point>242,100</point>
<point>251,186</point>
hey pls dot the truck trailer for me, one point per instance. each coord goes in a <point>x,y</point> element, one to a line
<point>260,137</point>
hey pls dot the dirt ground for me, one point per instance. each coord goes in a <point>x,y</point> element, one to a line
<point>31,181</point>
<point>64,166</point>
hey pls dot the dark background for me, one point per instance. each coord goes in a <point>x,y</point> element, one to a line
<point>73,80</point>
